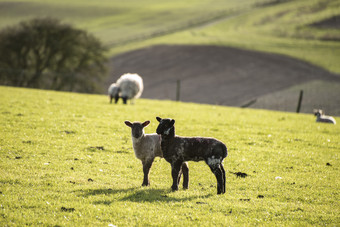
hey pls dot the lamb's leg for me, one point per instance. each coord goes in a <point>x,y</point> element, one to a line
<point>185,171</point>
<point>116,98</point>
<point>146,169</point>
<point>175,170</point>
<point>179,175</point>
<point>223,174</point>
<point>219,177</point>
<point>124,100</point>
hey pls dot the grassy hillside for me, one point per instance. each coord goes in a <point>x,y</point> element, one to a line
<point>273,26</point>
<point>67,159</point>
<point>283,28</point>
<point>120,21</point>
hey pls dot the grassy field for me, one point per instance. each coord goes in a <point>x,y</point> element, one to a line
<point>66,159</point>
<point>281,27</point>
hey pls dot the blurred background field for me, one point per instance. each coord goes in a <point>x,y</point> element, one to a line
<point>285,27</point>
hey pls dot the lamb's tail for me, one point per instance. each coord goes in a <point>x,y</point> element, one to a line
<point>225,150</point>
<point>220,150</point>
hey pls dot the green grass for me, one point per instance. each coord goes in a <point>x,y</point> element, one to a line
<point>127,25</point>
<point>60,151</point>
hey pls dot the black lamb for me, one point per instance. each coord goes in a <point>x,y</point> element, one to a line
<point>177,149</point>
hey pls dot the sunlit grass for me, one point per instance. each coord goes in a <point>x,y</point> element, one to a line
<point>67,159</point>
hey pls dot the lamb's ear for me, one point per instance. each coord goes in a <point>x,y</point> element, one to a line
<point>172,122</point>
<point>128,123</point>
<point>158,119</point>
<point>146,123</point>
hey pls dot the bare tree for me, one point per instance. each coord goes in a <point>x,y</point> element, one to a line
<point>44,53</point>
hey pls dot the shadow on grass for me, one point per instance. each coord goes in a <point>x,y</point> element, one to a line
<point>139,195</point>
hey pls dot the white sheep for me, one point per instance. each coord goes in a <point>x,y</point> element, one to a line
<point>320,117</point>
<point>147,147</point>
<point>128,86</point>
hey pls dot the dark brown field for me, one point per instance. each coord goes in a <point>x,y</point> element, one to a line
<point>231,77</point>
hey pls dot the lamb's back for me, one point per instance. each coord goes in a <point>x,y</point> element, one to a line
<point>327,119</point>
<point>197,148</point>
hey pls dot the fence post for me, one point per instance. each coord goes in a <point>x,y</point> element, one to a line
<point>300,101</point>
<point>178,90</point>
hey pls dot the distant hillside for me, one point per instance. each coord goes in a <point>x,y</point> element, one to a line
<point>226,76</point>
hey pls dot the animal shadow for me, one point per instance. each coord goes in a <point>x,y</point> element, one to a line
<point>138,195</point>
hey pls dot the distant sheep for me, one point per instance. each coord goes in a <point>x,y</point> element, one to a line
<point>320,117</point>
<point>147,147</point>
<point>128,86</point>
<point>113,92</point>
<point>177,150</point>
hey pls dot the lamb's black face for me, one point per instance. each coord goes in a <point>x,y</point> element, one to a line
<point>164,125</point>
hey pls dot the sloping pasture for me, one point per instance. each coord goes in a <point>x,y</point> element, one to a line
<point>286,28</point>
<point>116,22</point>
<point>283,27</point>
<point>66,159</point>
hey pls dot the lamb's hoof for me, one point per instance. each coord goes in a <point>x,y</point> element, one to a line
<point>185,187</point>
<point>145,184</point>
<point>174,189</point>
